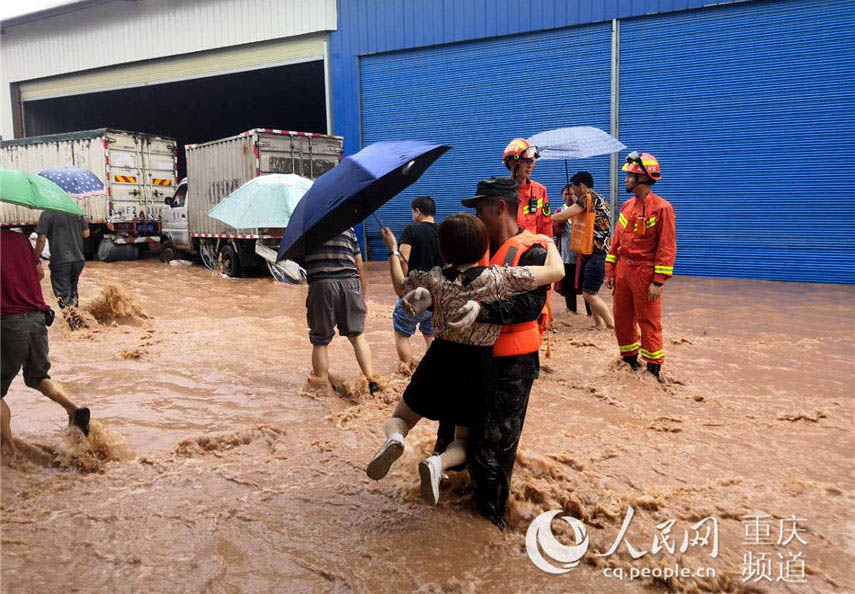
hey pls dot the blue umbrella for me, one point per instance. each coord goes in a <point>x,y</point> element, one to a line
<point>264,201</point>
<point>353,189</point>
<point>74,180</point>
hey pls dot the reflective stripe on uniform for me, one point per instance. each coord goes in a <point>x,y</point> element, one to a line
<point>669,270</point>
<point>629,347</point>
<point>612,258</point>
<point>622,220</point>
<point>650,222</point>
<point>657,355</point>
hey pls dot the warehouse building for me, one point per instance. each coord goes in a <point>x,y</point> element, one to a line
<point>749,106</point>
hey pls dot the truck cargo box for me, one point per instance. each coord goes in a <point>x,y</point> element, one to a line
<point>138,170</point>
<point>217,168</point>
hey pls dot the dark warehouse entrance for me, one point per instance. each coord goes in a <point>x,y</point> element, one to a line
<point>286,97</point>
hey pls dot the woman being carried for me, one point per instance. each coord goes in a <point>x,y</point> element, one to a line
<point>452,379</point>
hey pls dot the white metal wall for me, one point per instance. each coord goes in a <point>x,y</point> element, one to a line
<point>121,32</point>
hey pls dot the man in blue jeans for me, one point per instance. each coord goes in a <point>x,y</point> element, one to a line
<point>418,250</point>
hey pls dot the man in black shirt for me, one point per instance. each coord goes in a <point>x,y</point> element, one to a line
<point>418,250</point>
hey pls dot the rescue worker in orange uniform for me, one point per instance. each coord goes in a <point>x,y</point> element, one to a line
<point>516,362</point>
<point>534,213</point>
<point>639,262</point>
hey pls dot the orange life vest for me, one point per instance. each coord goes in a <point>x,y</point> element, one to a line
<point>524,338</point>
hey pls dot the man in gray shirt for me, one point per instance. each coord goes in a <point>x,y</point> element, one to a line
<point>66,233</point>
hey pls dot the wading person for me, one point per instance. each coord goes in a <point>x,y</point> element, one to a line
<point>418,250</point>
<point>66,233</point>
<point>639,262</point>
<point>435,391</point>
<point>516,362</point>
<point>24,318</point>
<point>562,227</point>
<point>337,299</point>
<point>534,213</point>
<point>592,266</point>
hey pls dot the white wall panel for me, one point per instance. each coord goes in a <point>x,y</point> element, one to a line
<point>120,32</point>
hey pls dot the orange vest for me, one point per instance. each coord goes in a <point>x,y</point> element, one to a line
<point>524,338</point>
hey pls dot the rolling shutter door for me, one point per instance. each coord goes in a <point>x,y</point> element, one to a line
<point>750,109</point>
<point>476,97</point>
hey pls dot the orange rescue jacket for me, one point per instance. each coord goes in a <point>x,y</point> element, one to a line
<point>524,338</point>
<point>539,218</point>
<point>645,235</point>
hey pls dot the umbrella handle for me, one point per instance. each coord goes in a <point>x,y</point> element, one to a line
<point>377,218</point>
<point>566,172</point>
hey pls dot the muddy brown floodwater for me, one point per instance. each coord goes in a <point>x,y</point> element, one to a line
<point>212,467</point>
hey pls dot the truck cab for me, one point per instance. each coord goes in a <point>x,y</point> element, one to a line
<point>176,231</point>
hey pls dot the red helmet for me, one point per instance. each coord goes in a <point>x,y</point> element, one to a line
<point>643,164</point>
<point>519,148</point>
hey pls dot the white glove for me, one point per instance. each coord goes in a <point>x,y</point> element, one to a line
<point>417,300</point>
<point>466,315</point>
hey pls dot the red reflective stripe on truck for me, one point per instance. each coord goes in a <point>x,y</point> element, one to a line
<point>228,236</point>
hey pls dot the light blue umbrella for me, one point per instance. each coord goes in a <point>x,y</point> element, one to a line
<point>264,201</point>
<point>575,142</point>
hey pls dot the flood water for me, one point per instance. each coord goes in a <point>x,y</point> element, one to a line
<point>213,467</point>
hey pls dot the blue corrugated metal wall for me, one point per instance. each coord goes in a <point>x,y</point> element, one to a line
<point>370,26</point>
<point>751,86</point>
<point>476,96</point>
<point>751,112</point>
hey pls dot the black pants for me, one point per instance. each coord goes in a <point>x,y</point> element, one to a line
<point>63,280</point>
<point>494,440</point>
<point>568,285</point>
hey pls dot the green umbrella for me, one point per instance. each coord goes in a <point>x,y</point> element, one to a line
<point>34,191</point>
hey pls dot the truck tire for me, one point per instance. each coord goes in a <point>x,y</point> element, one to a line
<point>168,253</point>
<point>111,252</point>
<point>228,259</point>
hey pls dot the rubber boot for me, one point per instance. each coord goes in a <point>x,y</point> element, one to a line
<point>632,361</point>
<point>653,369</point>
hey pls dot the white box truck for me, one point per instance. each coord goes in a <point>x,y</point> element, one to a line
<point>138,170</point>
<point>217,168</point>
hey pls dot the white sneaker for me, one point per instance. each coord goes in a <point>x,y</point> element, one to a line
<point>385,456</point>
<point>430,471</point>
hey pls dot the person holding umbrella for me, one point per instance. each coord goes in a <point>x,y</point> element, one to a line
<point>320,232</point>
<point>66,233</point>
<point>534,213</point>
<point>24,316</point>
<point>592,266</point>
<point>336,299</point>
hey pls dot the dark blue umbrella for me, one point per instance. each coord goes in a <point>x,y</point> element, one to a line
<point>74,180</point>
<point>355,188</point>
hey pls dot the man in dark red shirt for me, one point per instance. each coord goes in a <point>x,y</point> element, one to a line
<point>23,331</point>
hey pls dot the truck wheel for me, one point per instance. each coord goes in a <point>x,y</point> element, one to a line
<point>168,253</point>
<point>228,259</point>
<point>105,246</point>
